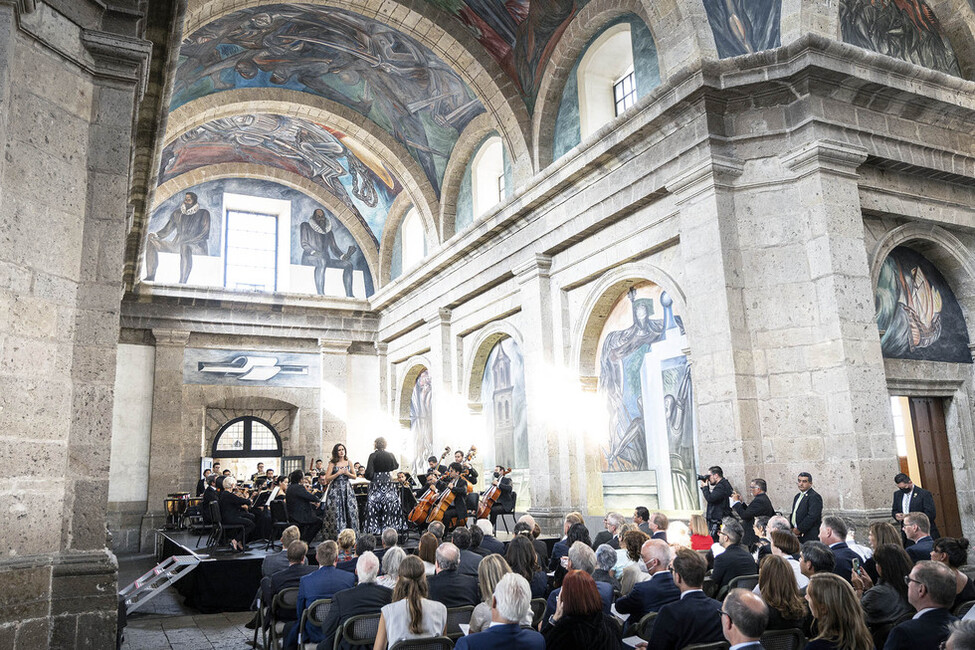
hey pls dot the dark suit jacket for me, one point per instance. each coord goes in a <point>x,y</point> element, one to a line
<point>502,637</point>
<point>844,560</point>
<point>560,549</point>
<point>492,544</point>
<point>201,485</point>
<point>366,598</point>
<point>507,498</point>
<point>301,504</point>
<point>209,495</point>
<point>717,497</point>
<point>692,619</point>
<point>606,537</point>
<point>324,582</point>
<point>660,534</point>
<point>231,511</point>
<point>921,501</point>
<point>809,516</point>
<point>541,550</point>
<point>921,549</point>
<point>454,589</point>
<point>284,579</point>
<point>735,561</point>
<point>761,506</point>
<point>469,561</point>
<point>648,596</point>
<point>924,633</point>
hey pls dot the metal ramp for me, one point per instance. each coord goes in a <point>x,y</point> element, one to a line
<point>156,579</point>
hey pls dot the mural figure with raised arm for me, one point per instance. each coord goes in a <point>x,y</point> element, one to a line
<point>189,225</point>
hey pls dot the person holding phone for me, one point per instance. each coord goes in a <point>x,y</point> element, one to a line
<point>832,532</point>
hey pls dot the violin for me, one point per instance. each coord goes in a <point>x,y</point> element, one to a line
<point>490,496</point>
<point>422,509</point>
<point>465,472</point>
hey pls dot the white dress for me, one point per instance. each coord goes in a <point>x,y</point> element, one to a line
<point>397,618</point>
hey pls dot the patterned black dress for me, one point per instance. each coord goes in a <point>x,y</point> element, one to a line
<point>341,501</point>
<point>383,507</point>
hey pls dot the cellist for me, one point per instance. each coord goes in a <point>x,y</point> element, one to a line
<point>505,501</point>
<point>456,484</point>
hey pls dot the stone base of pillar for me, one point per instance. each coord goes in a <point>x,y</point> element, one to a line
<point>550,519</point>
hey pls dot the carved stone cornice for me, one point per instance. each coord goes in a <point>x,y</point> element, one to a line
<point>838,158</point>
<point>713,172</point>
<point>117,57</point>
<point>173,338</point>
<point>540,265</point>
<point>334,346</point>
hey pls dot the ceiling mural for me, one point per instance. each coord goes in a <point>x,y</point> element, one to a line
<point>744,26</point>
<point>360,63</point>
<point>327,157</point>
<point>519,34</point>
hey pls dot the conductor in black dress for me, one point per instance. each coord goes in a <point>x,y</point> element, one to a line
<point>302,506</point>
<point>458,485</point>
<point>383,506</point>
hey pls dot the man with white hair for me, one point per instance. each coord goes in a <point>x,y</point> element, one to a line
<point>490,543</point>
<point>448,585</point>
<point>612,522</point>
<point>367,597</point>
<point>509,605</point>
<point>583,558</point>
<point>650,595</point>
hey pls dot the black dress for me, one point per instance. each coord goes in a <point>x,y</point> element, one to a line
<point>383,507</point>
<point>232,514</point>
<point>595,632</point>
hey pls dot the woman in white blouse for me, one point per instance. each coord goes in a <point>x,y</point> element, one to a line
<point>411,615</point>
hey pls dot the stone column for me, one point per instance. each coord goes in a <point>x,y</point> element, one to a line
<point>335,401</point>
<point>441,384</point>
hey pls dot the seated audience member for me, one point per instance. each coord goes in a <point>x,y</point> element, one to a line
<point>641,518</point>
<point>832,532</point>
<point>692,618</point>
<point>469,560</point>
<point>302,506</point>
<point>521,559</point>
<point>541,549</point>
<point>760,530</point>
<point>274,562</point>
<point>367,597</point>
<point>610,535</point>
<point>931,592</point>
<point>289,576</point>
<point>918,529</point>
<point>659,590</point>
<point>346,542</point>
<point>839,619</point>
<point>880,533</point>
<point>954,553</point>
<point>389,539</point>
<point>628,554</point>
<point>577,533</point>
<point>886,601</point>
<point>635,570</point>
<point>391,561</point>
<point>786,545</point>
<point>427,552</point>
<point>700,538</point>
<point>233,512</point>
<point>438,530</point>
<point>210,493</point>
<point>411,614</point>
<point>962,635</point>
<point>581,558</point>
<point>489,573</point>
<point>780,523</point>
<point>579,621</point>
<point>562,546</point>
<point>777,585</point>
<point>865,552</point>
<point>322,583</point>
<point>658,526</point>
<point>449,586</point>
<point>743,619</point>
<point>490,543</point>
<point>605,561</point>
<point>815,557</point>
<point>477,538</point>
<point>510,607</point>
<point>736,561</point>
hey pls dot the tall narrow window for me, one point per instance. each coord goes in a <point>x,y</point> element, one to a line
<point>624,92</point>
<point>487,176</point>
<point>251,251</point>
<point>607,85</point>
<point>413,241</point>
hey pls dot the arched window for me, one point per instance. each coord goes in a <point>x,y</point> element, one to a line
<point>487,176</point>
<point>607,86</point>
<point>246,437</point>
<point>412,239</point>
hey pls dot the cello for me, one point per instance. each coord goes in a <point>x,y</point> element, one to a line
<point>422,509</point>
<point>467,459</point>
<point>490,496</point>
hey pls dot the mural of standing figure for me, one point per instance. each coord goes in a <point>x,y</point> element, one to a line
<point>321,251</point>
<point>191,224</point>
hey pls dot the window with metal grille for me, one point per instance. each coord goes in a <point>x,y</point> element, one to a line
<point>500,188</point>
<point>624,92</point>
<point>245,437</point>
<point>251,251</point>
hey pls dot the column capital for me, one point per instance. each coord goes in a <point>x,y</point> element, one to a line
<point>714,171</point>
<point>539,265</point>
<point>381,348</point>
<point>839,158</point>
<point>174,338</point>
<point>117,57</point>
<point>441,316</point>
<point>333,346</point>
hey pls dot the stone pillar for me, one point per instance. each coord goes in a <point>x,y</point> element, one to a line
<point>438,324</point>
<point>335,401</point>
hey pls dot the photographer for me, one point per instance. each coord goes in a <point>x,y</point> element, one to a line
<point>717,491</point>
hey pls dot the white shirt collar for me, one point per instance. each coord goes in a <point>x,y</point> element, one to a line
<point>924,611</point>
<point>690,591</point>
<point>743,645</point>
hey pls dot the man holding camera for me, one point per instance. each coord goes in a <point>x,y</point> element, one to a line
<point>717,492</point>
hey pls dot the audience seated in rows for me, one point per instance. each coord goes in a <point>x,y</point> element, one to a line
<point>880,533</point>
<point>390,566</point>
<point>322,583</point>
<point>288,577</point>
<point>346,541</point>
<point>561,547</point>
<point>449,586</point>
<point>744,618</point>
<point>886,601</point>
<point>659,590</point>
<point>490,543</point>
<point>786,545</point>
<point>778,588</point>
<point>954,553</point>
<point>274,562</point>
<point>700,538</point>
<point>510,606</point>
<point>427,552</point>
<point>962,635</point>
<point>735,561</point>
<point>411,614</point>
<point>605,561</point>
<point>839,620</point>
<point>693,617</point>
<point>629,566</point>
<point>610,535</point>
<point>815,558</point>
<point>832,533</point>
<point>579,622</point>
<point>469,560</point>
<point>931,591</point>
<point>367,597</point>
<point>577,533</point>
<point>917,529</point>
<point>493,568</point>
<point>521,559</point>
<point>582,558</point>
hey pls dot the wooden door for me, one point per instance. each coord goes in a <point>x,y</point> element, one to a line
<point>934,460</point>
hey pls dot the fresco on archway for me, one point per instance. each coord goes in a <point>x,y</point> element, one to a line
<point>421,422</point>
<point>744,26</point>
<point>327,157</point>
<point>519,34</point>
<point>645,380</point>
<point>355,61</point>
<point>917,313</point>
<point>904,29</point>
<point>503,400</point>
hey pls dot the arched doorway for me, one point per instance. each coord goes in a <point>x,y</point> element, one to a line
<point>244,442</point>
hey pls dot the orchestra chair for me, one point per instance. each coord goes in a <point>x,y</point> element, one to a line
<point>963,608</point>
<point>263,615</point>
<point>538,611</point>
<point>644,627</point>
<point>219,533</point>
<point>882,631</point>
<point>748,582</point>
<point>284,601</point>
<point>456,616</point>
<point>359,630</point>
<point>783,640</point>
<point>279,521</point>
<point>511,513</point>
<point>427,643</point>
<point>314,615</point>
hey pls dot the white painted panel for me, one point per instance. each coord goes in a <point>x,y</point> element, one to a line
<point>131,423</point>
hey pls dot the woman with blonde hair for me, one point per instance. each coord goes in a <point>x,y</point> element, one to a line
<point>489,572</point>
<point>786,546</point>
<point>411,615</point>
<point>346,542</point>
<point>700,539</point>
<point>778,588</point>
<point>879,534</point>
<point>839,617</point>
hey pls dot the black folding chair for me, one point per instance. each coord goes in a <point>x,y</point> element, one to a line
<point>279,521</point>
<point>219,535</point>
<point>963,608</point>
<point>717,645</point>
<point>455,617</point>
<point>428,643</point>
<point>748,582</point>
<point>644,627</point>
<point>359,630</point>
<point>783,640</point>
<point>285,600</point>
<point>506,513</point>
<point>538,611</point>
<point>314,615</point>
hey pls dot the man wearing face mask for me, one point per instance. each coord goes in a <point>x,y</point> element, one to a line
<point>910,498</point>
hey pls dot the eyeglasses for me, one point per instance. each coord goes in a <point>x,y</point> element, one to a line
<point>721,612</point>
<point>908,580</point>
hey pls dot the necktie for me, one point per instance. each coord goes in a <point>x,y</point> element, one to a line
<point>796,508</point>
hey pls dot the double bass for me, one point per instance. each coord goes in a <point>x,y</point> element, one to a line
<point>421,510</point>
<point>490,496</point>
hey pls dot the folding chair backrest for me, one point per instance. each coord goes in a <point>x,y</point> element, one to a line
<point>644,627</point>
<point>314,615</point>
<point>748,582</point>
<point>963,608</point>
<point>284,600</point>
<point>428,643</point>
<point>538,611</point>
<point>279,512</point>
<point>456,616</point>
<point>361,630</point>
<point>783,640</point>
<point>215,513</point>
<point>717,645</point>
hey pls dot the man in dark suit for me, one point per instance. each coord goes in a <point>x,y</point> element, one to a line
<point>832,533</point>
<point>761,506</point>
<point>641,517</point>
<point>807,510</point>
<point>469,560</point>
<point>561,547</point>
<point>209,495</point>
<point>815,557</point>
<point>506,499</point>
<point>365,598</point>
<point>510,604</point>
<point>931,591</point>
<point>202,483</point>
<point>610,534</point>
<point>580,557</point>
<point>290,576</point>
<point>458,485</point>
<point>302,506</point>
<point>917,529</point>
<point>717,491</point>
<point>692,619</point>
<point>323,583</point>
<point>650,595</point>
<point>490,543</point>
<point>449,586</point>
<point>744,618</point>
<point>910,498</point>
<point>735,560</point>
<point>658,525</point>
<point>274,562</point>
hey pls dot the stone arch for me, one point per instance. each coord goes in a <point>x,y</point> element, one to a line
<point>279,414</point>
<point>413,367</point>
<point>599,301</point>
<point>464,150</point>
<point>957,18</point>
<point>357,227</point>
<point>679,29</point>
<point>455,46</point>
<point>481,346</point>
<point>397,212</point>
<point>292,103</point>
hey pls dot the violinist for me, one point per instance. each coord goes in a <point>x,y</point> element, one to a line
<point>233,512</point>
<point>468,470</point>
<point>302,506</point>
<point>506,500</point>
<point>457,484</point>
